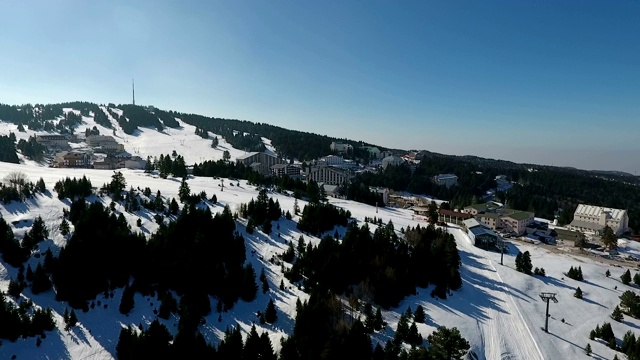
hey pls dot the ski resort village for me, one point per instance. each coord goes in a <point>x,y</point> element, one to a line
<point>131,232</point>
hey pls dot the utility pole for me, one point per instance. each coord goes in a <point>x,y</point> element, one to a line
<point>133,88</point>
<point>548,297</point>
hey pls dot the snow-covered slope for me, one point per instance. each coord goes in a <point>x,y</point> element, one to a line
<point>498,309</point>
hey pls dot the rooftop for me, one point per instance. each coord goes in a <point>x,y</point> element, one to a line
<point>519,215</point>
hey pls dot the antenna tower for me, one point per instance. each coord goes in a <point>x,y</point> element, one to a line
<point>133,87</point>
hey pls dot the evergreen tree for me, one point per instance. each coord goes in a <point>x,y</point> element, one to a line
<point>184,191</point>
<point>626,277</point>
<point>587,349</point>
<point>265,283</point>
<point>14,288</point>
<point>402,331</point>
<point>413,337</point>
<point>117,185</point>
<point>526,263</point>
<point>249,286</point>
<point>608,273</point>
<point>127,302</point>
<point>636,279</point>
<point>64,227</point>
<point>252,345</point>
<point>617,314</point>
<point>72,320</point>
<point>609,238</point>
<point>578,293</point>
<point>41,281</point>
<point>379,322</point>
<point>419,316</point>
<point>270,313</point>
<point>447,344</point>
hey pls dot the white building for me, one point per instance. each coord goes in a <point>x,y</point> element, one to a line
<point>447,180</point>
<point>340,147</point>
<point>329,175</point>
<point>592,219</point>
<point>384,192</point>
<point>259,161</point>
<point>392,160</point>
<point>104,142</point>
<point>332,160</point>
<point>53,141</point>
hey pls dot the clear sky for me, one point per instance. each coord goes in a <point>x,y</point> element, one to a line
<point>547,82</point>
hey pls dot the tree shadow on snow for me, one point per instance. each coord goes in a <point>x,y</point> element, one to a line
<point>594,355</point>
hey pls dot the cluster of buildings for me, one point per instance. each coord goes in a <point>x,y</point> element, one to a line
<point>100,152</point>
<point>484,222</point>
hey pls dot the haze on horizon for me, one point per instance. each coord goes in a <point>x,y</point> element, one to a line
<point>546,82</point>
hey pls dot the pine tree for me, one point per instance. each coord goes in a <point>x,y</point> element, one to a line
<point>626,277</point>
<point>578,293</point>
<point>265,283</point>
<point>636,279</point>
<point>587,349</point>
<point>379,323</point>
<point>184,191</point>
<point>608,273</point>
<point>64,227</point>
<point>73,319</point>
<point>413,336</point>
<point>402,331</point>
<point>419,316</point>
<point>127,302</point>
<point>41,281</point>
<point>270,313</point>
<point>282,285</point>
<point>527,266</point>
<point>249,286</point>
<point>519,261</point>
<point>617,314</point>
<point>447,344</point>
<point>252,345</point>
<point>14,289</point>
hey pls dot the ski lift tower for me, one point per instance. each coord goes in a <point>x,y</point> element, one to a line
<point>548,297</point>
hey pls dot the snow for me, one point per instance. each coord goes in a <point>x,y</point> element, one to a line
<point>498,310</point>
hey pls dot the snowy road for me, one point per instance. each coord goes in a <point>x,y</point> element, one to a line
<point>504,332</point>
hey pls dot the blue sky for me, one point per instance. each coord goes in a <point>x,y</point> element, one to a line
<point>549,82</point>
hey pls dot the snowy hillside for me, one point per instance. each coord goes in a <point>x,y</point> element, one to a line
<point>146,141</point>
<point>498,310</point>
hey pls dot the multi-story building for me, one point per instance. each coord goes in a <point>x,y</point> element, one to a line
<point>53,141</point>
<point>447,180</point>
<point>497,218</point>
<point>592,219</point>
<point>329,175</point>
<point>392,160</point>
<point>280,170</point>
<point>72,159</point>
<point>259,161</point>
<point>340,147</point>
<point>104,142</point>
<point>332,160</point>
